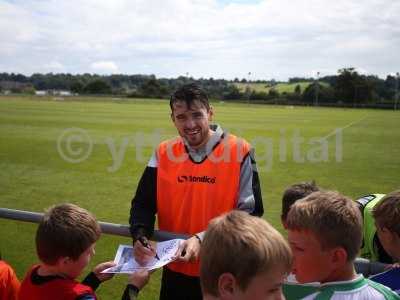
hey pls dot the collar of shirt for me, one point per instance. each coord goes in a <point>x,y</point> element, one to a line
<point>198,155</point>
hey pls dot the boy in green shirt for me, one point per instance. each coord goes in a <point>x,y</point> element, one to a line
<point>325,234</point>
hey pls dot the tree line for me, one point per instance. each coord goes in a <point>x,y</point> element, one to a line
<point>347,87</point>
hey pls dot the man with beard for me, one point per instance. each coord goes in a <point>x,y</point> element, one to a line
<point>188,181</point>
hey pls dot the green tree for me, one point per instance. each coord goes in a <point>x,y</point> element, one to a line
<point>351,87</point>
<point>77,86</point>
<point>153,88</point>
<point>297,89</point>
<point>326,94</point>
<point>232,93</point>
<point>97,86</point>
<point>346,85</point>
<point>273,93</point>
<point>29,90</point>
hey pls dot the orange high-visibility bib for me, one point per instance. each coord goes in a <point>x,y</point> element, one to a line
<point>190,194</point>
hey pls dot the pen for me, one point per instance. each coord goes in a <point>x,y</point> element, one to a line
<point>145,244</point>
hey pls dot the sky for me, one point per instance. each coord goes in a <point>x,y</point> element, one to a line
<point>264,39</point>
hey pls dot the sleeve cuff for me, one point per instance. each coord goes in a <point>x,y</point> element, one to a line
<point>200,236</point>
<point>139,232</point>
<point>92,281</point>
<point>130,292</point>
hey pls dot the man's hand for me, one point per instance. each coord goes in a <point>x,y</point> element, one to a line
<point>101,267</point>
<point>189,250</point>
<point>144,254</point>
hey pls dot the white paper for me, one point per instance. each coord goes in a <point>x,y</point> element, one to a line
<point>126,263</point>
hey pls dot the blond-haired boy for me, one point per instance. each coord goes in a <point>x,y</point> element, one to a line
<point>387,219</point>
<point>243,257</point>
<point>325,234</point>
<point>65,241</point>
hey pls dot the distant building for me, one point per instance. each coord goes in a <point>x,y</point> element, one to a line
<point>62,93</point>
<point>14,86</point>
<point>41,93</point>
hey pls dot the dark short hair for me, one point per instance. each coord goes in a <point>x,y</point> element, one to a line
<point>296,192</point>
<point>66,230</point>
<point>387,212</point>
<point>189,93</point>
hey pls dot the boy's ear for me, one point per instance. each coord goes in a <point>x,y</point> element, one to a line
<point>339,256</point>
<point>211,113</point>
<point>396,236</point>
<point>63,261</point>
<point>226,286</point>
<point>283,221</point>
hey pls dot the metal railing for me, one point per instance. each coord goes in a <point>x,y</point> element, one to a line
<point>108,228</point>
<point>361,265</point>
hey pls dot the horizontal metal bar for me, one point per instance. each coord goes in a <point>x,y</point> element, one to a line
<point>369,268</point>
<point>361,265</point>
<point>108,228</point>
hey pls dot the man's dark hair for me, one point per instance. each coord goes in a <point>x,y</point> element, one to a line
<point>189,93</point>
<point>296,192</point>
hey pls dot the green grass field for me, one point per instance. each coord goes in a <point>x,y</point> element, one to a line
<point>34,175</point>
<point>280,87</point>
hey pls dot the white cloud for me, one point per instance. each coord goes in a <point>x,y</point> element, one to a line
<point>107,67</point>
<point>54,66</point>
<point>270,38</point>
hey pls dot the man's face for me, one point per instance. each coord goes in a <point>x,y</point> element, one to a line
<point>311,263</point>
<point>192,123</point>
<point>265,286</point>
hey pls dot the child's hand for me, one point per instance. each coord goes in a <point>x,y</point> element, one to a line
<point>139,278</point>
<point>395,265</point>
<point>392,266</point>
<point>101,267</point>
